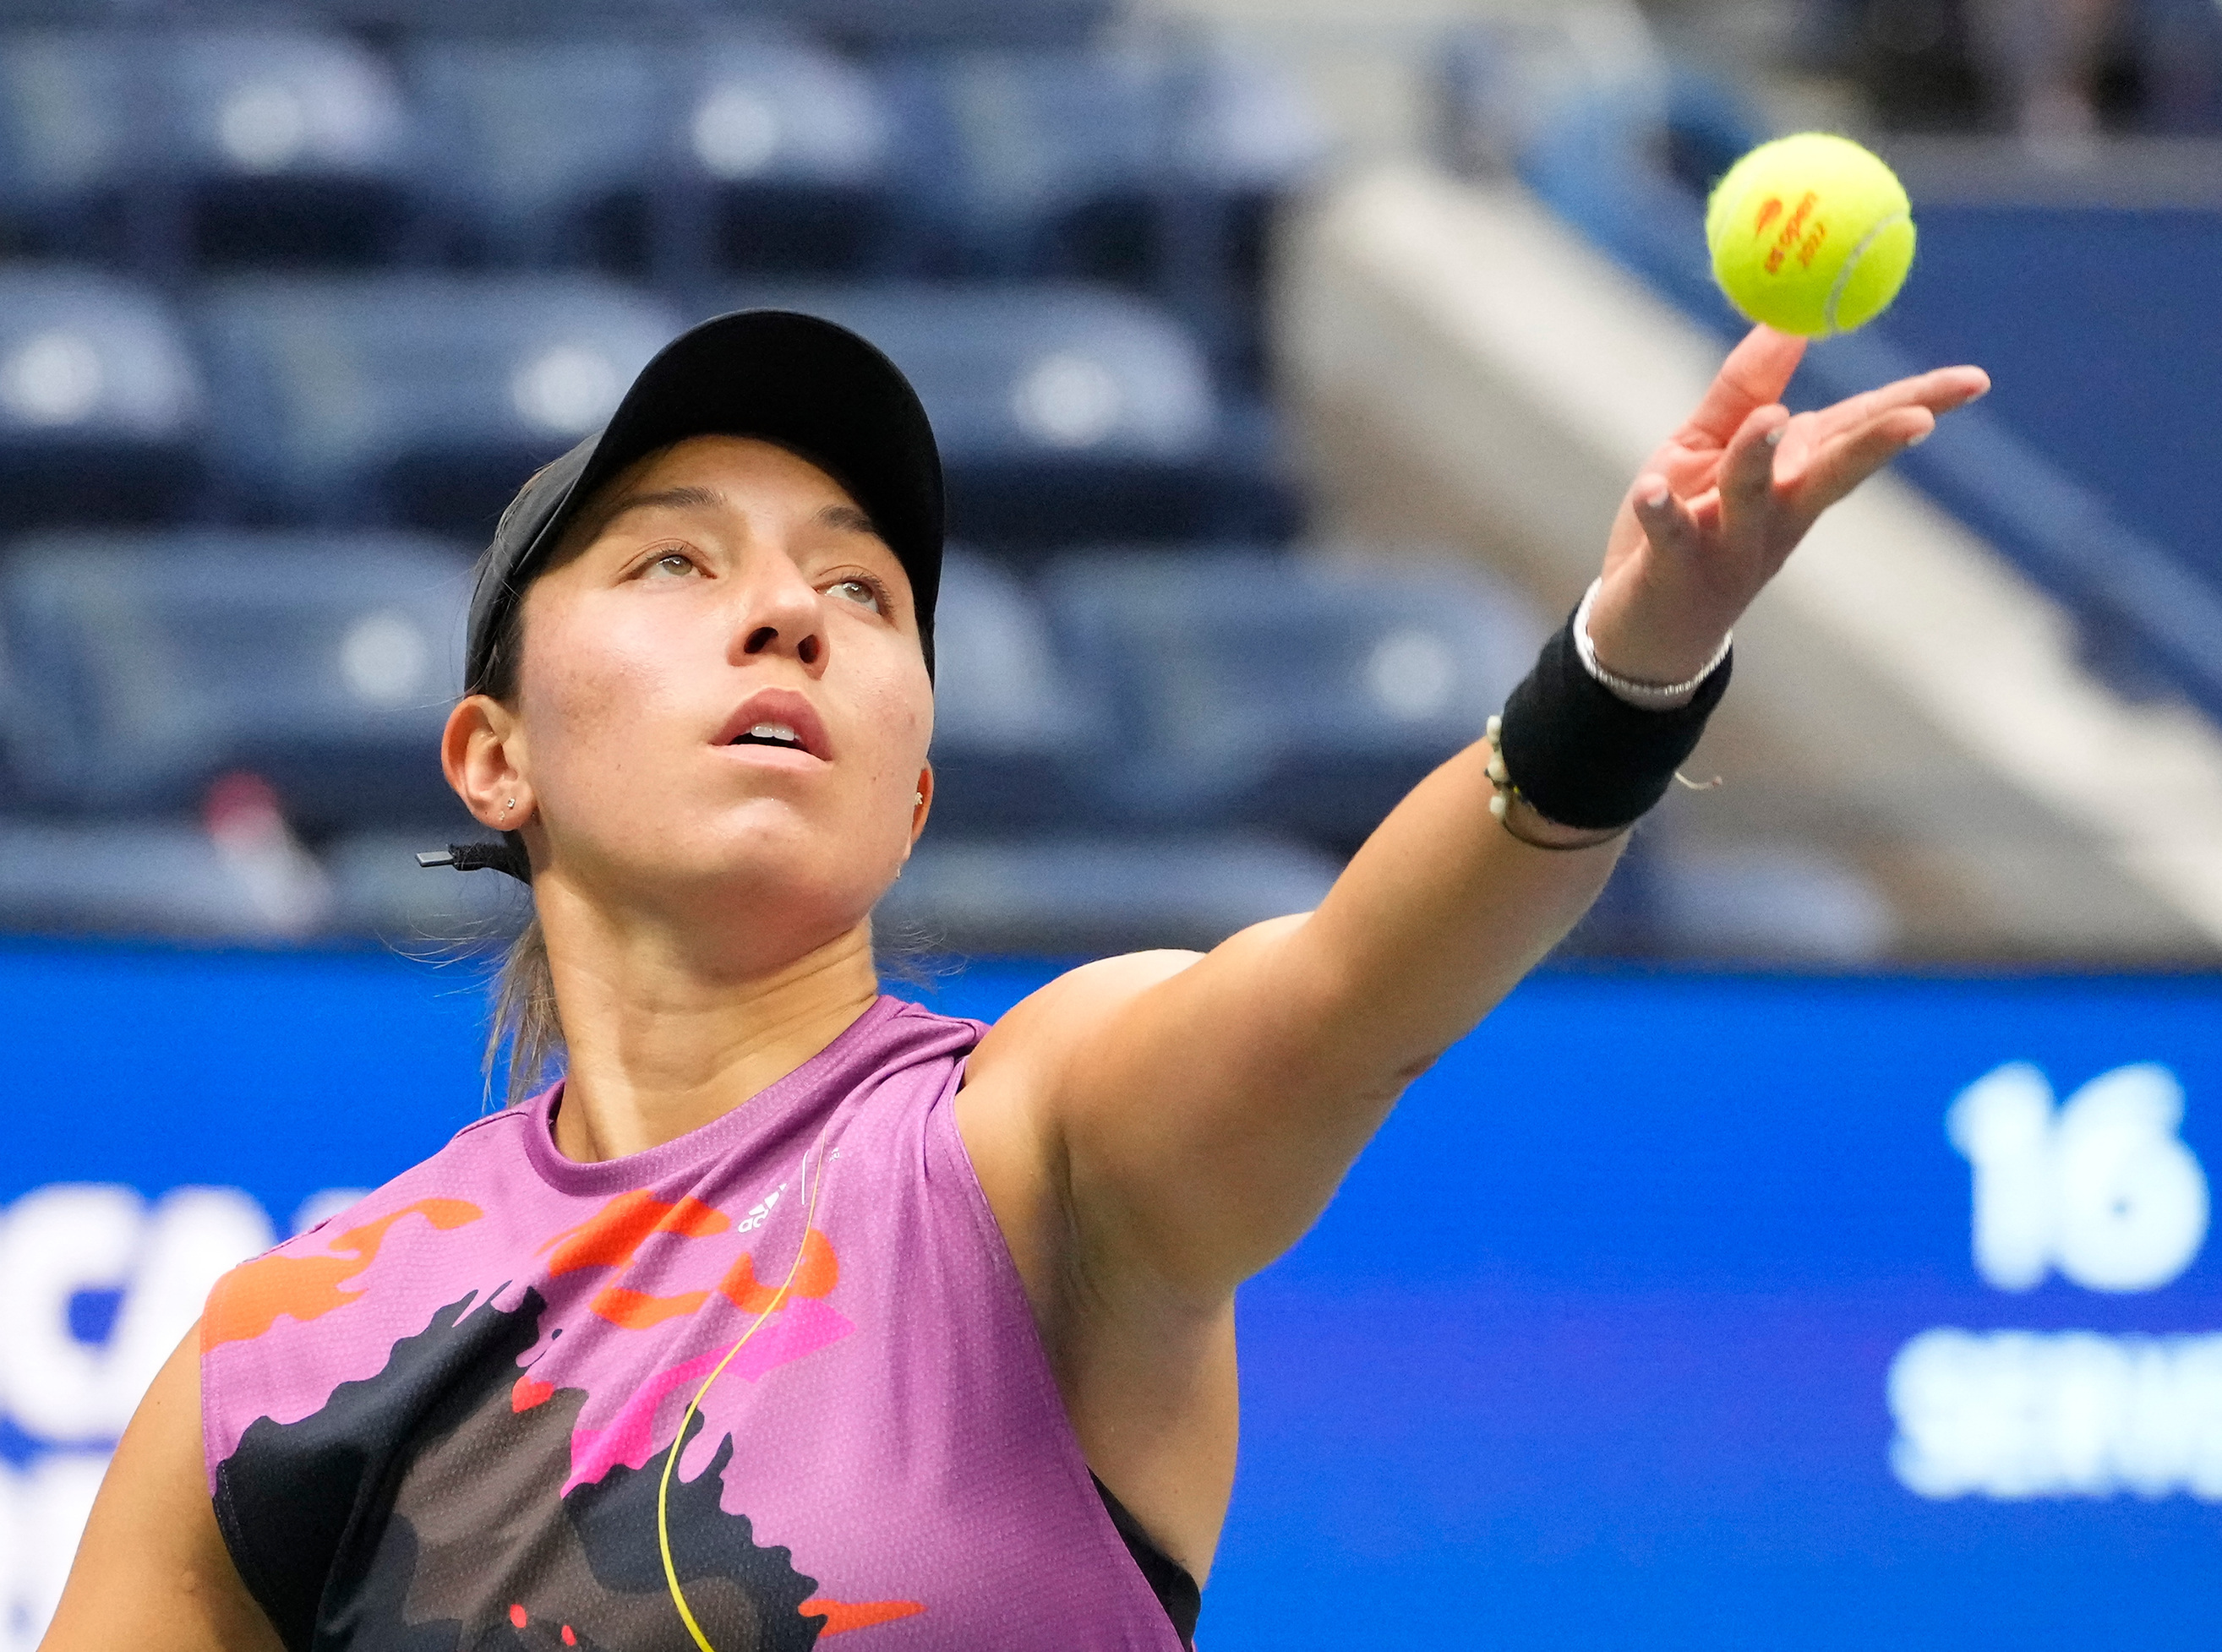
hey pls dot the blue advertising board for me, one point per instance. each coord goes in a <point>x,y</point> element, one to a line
<point>1669,1310</point>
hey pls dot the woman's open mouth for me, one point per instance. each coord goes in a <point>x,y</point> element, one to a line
<point>778,719</point>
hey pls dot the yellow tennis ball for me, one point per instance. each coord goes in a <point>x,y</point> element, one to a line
<point>1811,235</point>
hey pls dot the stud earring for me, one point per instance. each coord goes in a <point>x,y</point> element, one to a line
<point>918,798</point>
<point>508,804</point>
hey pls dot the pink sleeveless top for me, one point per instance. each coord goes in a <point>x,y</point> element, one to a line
<point>447,1418</point>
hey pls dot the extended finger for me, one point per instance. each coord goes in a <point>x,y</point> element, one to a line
<point>1940,391</point>
<point>1667,523</point>
<point>1840,465</point>
<point>1747,466</point>
<point>1755,374</point>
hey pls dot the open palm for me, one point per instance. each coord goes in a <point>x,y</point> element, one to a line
<point>1720,506</point>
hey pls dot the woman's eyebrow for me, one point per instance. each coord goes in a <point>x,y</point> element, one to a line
<point>678,498</point>
<point>845,518</point>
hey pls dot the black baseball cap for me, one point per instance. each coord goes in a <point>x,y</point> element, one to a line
<point>800,381</point>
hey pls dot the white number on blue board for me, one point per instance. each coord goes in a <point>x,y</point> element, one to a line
<point>2102,1189</point>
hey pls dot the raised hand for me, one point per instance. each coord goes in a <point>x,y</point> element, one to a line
<point>1722,503</point>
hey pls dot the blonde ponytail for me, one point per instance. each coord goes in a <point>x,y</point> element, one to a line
<point>526,1024</point>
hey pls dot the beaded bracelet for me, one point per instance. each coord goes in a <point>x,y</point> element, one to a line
<point>1500,806</point>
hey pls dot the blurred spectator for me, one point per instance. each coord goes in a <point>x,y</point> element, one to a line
<point>2055,71</point>
<point>282,879</point>
<point>2040,60</point>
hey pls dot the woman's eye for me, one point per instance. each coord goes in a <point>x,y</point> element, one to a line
<point>672,563</point>
<point>858,590</point>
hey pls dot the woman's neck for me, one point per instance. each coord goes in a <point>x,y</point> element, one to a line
<point>660,1045</point>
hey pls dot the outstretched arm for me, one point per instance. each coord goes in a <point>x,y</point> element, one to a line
<point>1194,1115</point>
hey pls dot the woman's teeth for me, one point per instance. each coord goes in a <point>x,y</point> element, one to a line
<point>777,733</point>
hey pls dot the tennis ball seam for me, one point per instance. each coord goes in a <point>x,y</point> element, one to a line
<point>1851,266</point>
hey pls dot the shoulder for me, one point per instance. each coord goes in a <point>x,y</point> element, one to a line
<point>279,1333</point>
<point>1021,1060</point>
<point>895,1042</point>
<point>1047,1024</point>
<point>905,1023</point>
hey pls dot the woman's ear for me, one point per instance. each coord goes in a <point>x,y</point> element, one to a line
<point>922,802</point>
<point>479,751</point>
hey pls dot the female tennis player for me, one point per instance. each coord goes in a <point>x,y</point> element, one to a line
<point>793,1310</point>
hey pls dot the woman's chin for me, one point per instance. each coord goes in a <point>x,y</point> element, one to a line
<point>773,868</point>
<point>810,891</point>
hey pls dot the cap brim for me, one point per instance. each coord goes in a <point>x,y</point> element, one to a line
<point>801,381</point>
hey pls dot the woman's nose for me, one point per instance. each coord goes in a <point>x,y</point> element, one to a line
<point>784,615</point>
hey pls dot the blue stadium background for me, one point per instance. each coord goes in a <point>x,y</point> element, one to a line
<point>1592,1351</point>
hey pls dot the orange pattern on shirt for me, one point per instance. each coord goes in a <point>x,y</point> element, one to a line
<point>609,1236</point>
<point>248,1300</point>
<point>815,1275</point>
<point>841,1615</point>
<point>637,1311</point>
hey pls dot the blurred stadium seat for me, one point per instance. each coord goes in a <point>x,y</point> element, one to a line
<point>102,411</point>
<point>513,19</point>
<point>532,140</point>
<point>1013,732</point>
<point>782,151</point>
<point>170,147</point>
<point>850,24</point>
<point>415,400</point>
<point>1156,172</point>
<point>140,668</point>
<point>1766,900</point>
<point>746,154</point>
<point>913,24</point>
<point>1096,895</point>
<point>69,141</point>
<point>1299,693</point>
<point>285,149</point>
<point>1066,414</point>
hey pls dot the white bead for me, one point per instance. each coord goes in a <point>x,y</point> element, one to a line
<point>1498,804</point>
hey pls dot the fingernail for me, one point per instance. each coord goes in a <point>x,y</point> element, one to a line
<point>1774,436</point>
<point>1656,501</point>
<point>1923,437</point>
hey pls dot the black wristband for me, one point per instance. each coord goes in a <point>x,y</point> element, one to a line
<point>1586,757</point>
